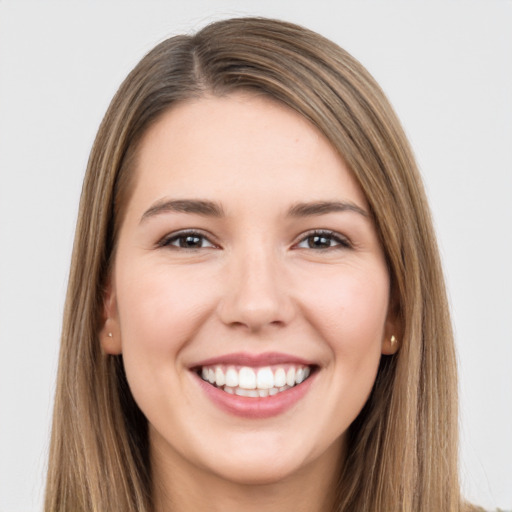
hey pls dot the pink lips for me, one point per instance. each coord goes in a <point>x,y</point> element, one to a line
<point>248,407</point>
<point>253,360</point>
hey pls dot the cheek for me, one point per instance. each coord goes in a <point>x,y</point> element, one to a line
<point>347,311</point>
<point>351,309</point>
<point>159,311</point>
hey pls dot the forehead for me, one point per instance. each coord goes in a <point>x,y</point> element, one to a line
<point>243,144</point>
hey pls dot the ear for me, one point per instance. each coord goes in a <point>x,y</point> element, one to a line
<point>390,344</point>
<point>392,331</point>
<point>110,333</point>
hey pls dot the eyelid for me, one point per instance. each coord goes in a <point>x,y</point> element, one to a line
<point>166,240</point>
<point>343,242</point>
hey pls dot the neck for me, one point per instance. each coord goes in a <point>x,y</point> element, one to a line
<point>183,487</point>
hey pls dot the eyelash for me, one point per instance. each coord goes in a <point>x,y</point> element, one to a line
<point>341,242</point>
<point>168,240</point>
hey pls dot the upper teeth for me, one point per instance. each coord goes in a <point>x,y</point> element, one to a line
<point>264,378</point>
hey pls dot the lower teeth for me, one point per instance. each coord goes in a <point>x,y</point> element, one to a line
<point>254,393</point>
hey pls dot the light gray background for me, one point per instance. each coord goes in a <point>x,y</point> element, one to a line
<point>447,68</point>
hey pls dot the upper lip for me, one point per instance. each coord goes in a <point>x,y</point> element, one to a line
<point>253,360</point>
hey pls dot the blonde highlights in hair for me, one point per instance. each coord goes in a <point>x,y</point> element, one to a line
<point>402,450</point>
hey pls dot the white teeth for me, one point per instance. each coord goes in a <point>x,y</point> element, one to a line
<point>219,377</point>
<point>247,378</point>
<point>290,376</point>
<point>255,382</point>
<point>279,378</point>
<point>264,378</point>
<point>231,378</point>
<point>252,393</point>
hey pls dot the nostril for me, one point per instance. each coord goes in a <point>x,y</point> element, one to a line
<point>240,316</point>
<point>255,298</point>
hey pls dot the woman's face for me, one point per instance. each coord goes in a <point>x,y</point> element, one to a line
<point>247,260</point>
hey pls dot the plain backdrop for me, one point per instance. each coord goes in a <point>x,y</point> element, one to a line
<point>445,65</point>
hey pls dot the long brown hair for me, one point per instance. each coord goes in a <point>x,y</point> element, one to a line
<point>402,450</point>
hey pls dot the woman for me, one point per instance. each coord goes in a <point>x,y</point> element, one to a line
<point>256,316</point>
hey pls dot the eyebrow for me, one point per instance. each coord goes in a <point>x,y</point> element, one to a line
<point>325,207</point>
<point>213,209</point>
<point>197,206</point>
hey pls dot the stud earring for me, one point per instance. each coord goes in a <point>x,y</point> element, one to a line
<point>393,340</point>
<point>109,335</point>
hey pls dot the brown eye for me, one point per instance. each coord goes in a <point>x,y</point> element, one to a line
<point>323,240</point>
<point>187,240</point>
<point>319,242</point>
<point>190,241</point>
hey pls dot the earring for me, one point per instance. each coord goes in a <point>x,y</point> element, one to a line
<point>393,340</point>
<point>109,335</point>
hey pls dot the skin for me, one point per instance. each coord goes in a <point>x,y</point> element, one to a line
<point>254,283</point>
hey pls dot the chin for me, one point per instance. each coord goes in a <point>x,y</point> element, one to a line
<point>266,472</point>
<point>257,463</point>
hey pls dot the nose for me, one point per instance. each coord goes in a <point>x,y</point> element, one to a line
<point>256,295</point>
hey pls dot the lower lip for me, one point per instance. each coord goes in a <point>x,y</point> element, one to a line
<point>256,408</point>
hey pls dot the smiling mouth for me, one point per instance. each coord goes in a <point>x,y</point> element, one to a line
<point>254,382</point>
